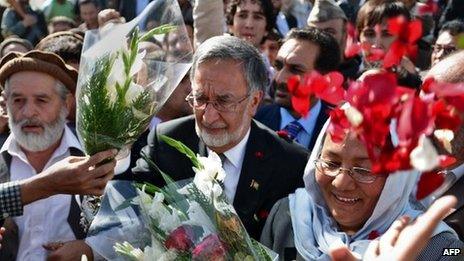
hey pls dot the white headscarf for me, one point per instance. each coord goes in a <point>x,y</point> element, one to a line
<point>316,231</point>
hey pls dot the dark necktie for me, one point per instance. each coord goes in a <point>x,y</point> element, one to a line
<point>292,129</point>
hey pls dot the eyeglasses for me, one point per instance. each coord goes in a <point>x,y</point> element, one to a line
<point>446,49</point>
<point>200,103</point>
<point>332,169</point>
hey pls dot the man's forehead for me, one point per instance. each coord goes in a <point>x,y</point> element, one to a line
<point>295,48</point>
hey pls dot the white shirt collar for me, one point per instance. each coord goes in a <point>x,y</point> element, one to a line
<point>67,141</point>
<point>236,154</point>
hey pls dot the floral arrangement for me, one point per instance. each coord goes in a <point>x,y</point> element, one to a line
<point>125,76</point>
<point>114,107</point>
<point>375,103</point>
<point>194,221</point>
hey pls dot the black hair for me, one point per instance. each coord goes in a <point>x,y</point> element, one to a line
<point>266,5</point>
<point>454,27</point>
<point>328,58</point>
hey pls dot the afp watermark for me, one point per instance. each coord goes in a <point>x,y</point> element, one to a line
<point>452,252</point>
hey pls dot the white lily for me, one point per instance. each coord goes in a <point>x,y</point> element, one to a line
<point>167,218</point>
<point>157,252</point>
<point>118,75</point>
<point>144,200</point>
<point>424,157</point>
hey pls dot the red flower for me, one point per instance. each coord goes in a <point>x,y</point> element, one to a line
<point>446,116</point>
<point>353,47</point>
<point>446,161</point>
<point>300,94</point>
<point>282,134</point>
<point>428,183</point>
<point>414,120</point>
<point>338,125</point>
<point>373,235</point>
<point>326,87</point>
<point>430,7</point>
<point>407,33</point>
<point>180,239</point>
<point>372,54</point>
<point>263,214</point>
<point>211,248</point>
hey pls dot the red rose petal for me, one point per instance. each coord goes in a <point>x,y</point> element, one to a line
<point>428,183</point>
<point>446,161</point>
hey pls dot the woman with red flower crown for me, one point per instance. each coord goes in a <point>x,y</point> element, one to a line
<point>345,205</point>
<point>388,39</point>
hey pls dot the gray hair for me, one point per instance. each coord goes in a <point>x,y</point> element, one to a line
<point>60,89</point>
<point>230,47</point>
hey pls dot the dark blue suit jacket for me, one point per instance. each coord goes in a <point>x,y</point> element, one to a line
<point>269,115</point>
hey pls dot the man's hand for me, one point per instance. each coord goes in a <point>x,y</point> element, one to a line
<point>72,250</point>
<point>106,16</point>
<point>73,175</point>
<point>403,240</point>
<point>29,20</point>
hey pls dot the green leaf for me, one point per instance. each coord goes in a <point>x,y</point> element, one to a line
<point>182,149</point>
<point>162,29</point>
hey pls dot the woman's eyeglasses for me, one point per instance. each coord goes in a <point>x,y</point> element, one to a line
<point>332,169</point>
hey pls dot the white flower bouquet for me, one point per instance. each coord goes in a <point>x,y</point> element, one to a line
<point>185,220</point>
<point>126,73</point>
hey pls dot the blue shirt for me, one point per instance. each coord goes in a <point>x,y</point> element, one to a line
<point>308,123</point>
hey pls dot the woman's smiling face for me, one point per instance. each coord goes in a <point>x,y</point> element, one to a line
<point>350,202</point>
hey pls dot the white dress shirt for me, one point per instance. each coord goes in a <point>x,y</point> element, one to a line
<point>309,123</point>
<point>233,166</point>
<point>45,220</point>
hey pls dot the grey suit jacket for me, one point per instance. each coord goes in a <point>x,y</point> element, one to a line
<point>278,236</point>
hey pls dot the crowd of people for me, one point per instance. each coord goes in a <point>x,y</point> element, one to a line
<point>297,191</point>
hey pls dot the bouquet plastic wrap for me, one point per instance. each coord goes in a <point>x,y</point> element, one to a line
<point>126,73</point>
<point>186,220</point>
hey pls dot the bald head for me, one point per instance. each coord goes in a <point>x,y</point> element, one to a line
<point>450,69</point>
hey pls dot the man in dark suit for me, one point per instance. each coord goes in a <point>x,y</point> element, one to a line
<point>302,51</point>
<point>228,81</point>
<point>451,70</point>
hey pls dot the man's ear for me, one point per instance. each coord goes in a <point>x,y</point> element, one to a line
<point>70,102</point>
<point>256,98</point>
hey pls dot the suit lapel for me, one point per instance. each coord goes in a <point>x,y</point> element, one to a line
<point>255,174</point>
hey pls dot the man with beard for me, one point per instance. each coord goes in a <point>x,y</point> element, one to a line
<point>39,88</point>
<point>302,51</point>
<point>228,80</point>
<point>451,70</point>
